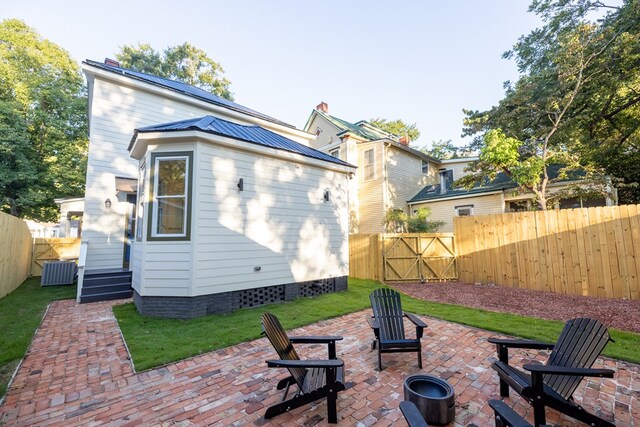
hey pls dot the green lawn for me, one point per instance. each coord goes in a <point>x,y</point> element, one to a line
<point>155,341</point>
<point>20,314</point>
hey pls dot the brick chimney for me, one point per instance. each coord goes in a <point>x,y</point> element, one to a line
<point>323,106</point>
<point>404,140</point>
<point>112,62</point>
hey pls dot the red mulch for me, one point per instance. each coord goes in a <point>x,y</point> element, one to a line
<point>615,313</point>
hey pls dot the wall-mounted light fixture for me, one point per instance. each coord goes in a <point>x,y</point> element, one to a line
<point>327,196</point>
<point>107,203</point>
<point>240,184</point>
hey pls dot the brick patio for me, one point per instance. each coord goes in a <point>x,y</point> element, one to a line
<point>77,372</point>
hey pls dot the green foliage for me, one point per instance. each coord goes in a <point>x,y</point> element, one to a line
<point>419,222</point>
<point>20,314</point>
<point>446,150</point>
<point>576,102</point>
<point>43,130</point>
<point>397,127</point>
<point>397,221</point>
<point>184,62</point>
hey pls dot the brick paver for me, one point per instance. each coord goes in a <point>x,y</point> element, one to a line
<point>77,372</point>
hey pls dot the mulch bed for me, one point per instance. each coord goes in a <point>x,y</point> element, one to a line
<point>615,313</point>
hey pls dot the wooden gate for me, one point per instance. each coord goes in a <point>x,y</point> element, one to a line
<point>53,249</point>
<point>419,257</point>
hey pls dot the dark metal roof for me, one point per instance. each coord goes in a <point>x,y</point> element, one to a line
<point>253,134</point>
<point>501,182</point>
<point>185,89</point>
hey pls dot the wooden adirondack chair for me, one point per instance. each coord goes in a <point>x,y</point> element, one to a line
<point>388,326</point>
<point>553,384</point>
<point>316,379</point>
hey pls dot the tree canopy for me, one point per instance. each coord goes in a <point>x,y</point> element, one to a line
<point>43,131</point>
<point>184,62</point>
<point>446,150</point>
<point>576,102</point>
<point>397,127</point>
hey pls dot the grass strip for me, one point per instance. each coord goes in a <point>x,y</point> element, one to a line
<point>156,341</point>
<point>20,315</point>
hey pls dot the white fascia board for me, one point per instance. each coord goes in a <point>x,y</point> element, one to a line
<point>463,196</point>
<point>216,109</point>
<point>459,160</point>
<point>63,200</point>
<point>139,148</point>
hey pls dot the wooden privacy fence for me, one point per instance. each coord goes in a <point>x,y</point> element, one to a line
<point>15,253</point>
<point>53,249</point>
<point>588,251</point>
<point>410,257</point>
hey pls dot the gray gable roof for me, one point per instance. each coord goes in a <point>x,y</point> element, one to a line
<point>185,89</point>
<point>253,134</point>
<point>501,182</point>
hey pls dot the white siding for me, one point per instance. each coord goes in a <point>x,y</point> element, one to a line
<point>116,111</point>
<point>279,222</point>
<point>444,210</point>
<point>327,140</point>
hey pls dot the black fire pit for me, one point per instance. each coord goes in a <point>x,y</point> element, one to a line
<point>433,396</point>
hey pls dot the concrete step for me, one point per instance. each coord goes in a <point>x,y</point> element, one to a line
<point>105,289</point>
<point>105,296</point>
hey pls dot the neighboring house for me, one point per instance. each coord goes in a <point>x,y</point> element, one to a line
<point>71,211</point>
<point>389,171</point>
<point>498,196</point>
<point>226,207</point>
<point>392,175</point>
<point>42,229</point>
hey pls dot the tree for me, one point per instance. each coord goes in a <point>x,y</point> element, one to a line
<point>184,62</point>
<point>575,104</point>
<point>397,127</point>
<point>43,131</point>
<point>397,221</point>
<point>446,150</point>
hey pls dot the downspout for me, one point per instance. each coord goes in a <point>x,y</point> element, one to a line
<point>82,260</point>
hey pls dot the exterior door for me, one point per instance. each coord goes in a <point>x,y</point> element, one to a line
<point>129,229</point>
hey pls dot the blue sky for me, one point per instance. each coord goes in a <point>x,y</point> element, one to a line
<point>421,61</point>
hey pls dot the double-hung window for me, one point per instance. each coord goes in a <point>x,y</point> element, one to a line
<point>171,180</point>
<point>369,165</point>
<point>425,167</point>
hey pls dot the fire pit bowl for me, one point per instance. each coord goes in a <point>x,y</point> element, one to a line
<point>433,396</point>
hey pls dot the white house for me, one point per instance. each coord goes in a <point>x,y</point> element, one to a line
<point>230,207</point>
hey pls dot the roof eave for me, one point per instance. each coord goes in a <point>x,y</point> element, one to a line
<point>141,139</point>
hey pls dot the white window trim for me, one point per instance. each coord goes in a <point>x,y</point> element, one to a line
<point>422,164</point>
<point>458,208</point>
<point>154,219</point>
<point>335,150</point>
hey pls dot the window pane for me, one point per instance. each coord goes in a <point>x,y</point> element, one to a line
<point>171,177</point>
<point>368,165</point>
<point>170,215</point>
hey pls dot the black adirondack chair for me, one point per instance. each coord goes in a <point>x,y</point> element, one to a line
<point>505,416</point>
<point>412,415</point>
<point>315,379</point>
<point>388,327</point>
<point>553,384</point>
